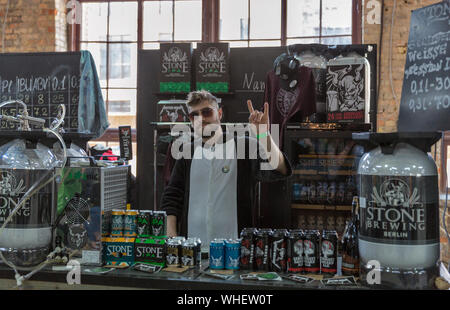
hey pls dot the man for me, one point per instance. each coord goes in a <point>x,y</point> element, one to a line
<point>212,196</point>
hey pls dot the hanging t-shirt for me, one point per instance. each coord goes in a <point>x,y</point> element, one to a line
<point>290,105</point>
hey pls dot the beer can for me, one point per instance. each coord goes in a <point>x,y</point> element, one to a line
<point>173,253</point>
<point>328,254</point>
<point>340,193</point>
<point>196,249</point>
<point>130,220</point>
<point>159,223</point>
<point>278,250</point>
<point>296,189</point>
<point>295,251</point>
<point>304,190</point>
<point>232,254</point>
<point>262,249</point>
<point>199,252</point>
<point>117,222</point>
<point>311,250</point>
<point>188,253</point>
<point>312,193</point>
<point>106,223</point>
<point>323,192</point>
<point>248,248</point>
<point>217,254</point>
<point>143,223</point>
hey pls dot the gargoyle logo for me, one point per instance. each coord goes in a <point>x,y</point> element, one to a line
<point>175,54</point>
<point>9,186</point>
<point>395,193</point>
<point>77,236</point>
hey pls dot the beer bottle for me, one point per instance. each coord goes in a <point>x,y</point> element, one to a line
<point>350,251</point>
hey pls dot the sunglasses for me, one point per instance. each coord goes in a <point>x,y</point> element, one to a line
<point>205,112</point>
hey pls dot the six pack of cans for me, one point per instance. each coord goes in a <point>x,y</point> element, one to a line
<point>280,250</point>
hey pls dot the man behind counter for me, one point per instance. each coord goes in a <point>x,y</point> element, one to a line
<point>211,196</point>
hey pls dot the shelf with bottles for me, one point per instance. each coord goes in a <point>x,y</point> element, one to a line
<point>320,220</point>
<point>329,191</point>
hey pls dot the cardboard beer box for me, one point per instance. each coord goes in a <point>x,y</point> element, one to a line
<point>348,90</point>
<point>212,67</point>
<point>175,70</point>
<point>150,250</point>
<point>118,251</point>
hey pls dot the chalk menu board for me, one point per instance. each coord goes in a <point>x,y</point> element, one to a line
<point>248,77</point>
<point>42,81</point>
<point>425,102</point>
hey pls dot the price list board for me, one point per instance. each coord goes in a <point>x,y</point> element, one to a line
<point>425,102</point>
<point>42,81</point>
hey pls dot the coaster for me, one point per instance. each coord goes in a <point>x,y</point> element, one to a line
<point>176,269</point>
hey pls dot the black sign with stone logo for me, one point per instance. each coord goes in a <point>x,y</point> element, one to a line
<point>212,70</point>
<point>175,70</point>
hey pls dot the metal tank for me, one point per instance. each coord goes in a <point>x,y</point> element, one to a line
<point>27,176</point>
<point>399,211</point>
<point>26,239</point>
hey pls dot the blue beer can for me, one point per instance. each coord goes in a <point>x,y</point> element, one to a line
<point>296,188</point>
<point>217,254</point>
<point>232,254</point>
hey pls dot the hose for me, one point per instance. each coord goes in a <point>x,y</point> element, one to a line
<point>38,185</point>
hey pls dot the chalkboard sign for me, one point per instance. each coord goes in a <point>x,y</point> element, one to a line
<point>248,77</point>
<point>42,81</point>
<point>425,102</point>
<point>126,149</point>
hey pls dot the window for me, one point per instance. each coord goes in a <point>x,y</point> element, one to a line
<point>109,32</point>
<point>445,167</point>
<point>170,21</point>
<point>279,22</point>
<point>319,21</point>
<point>246,23</point>
<point>113,30</point>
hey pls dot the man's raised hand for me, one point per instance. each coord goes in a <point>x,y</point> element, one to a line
<point>259,119</point>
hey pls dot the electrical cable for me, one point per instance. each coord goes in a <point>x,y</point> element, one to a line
<point>380,51</point>
<point>31,191</point>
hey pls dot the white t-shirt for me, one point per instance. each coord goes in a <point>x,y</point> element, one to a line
<point>213,193</point>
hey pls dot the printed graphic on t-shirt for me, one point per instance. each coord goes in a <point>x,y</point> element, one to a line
<point>286,100</point>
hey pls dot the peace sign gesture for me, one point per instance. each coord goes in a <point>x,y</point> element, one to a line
<point>259,118</point>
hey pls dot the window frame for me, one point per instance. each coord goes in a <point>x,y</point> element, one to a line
<point>210,33</point>
<point>445,144</point>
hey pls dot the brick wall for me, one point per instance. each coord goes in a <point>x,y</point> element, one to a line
<point>34,26</point>
<point>388,105</point>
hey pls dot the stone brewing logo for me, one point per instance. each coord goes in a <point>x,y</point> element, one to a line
<point>9,186</point>
<point>11,193</point>
<point>175,60</point>
<point>395,192</point>
<point>395,210</point>
<point>212,61</point>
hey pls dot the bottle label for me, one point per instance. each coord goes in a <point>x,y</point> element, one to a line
<point>399,210</point>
